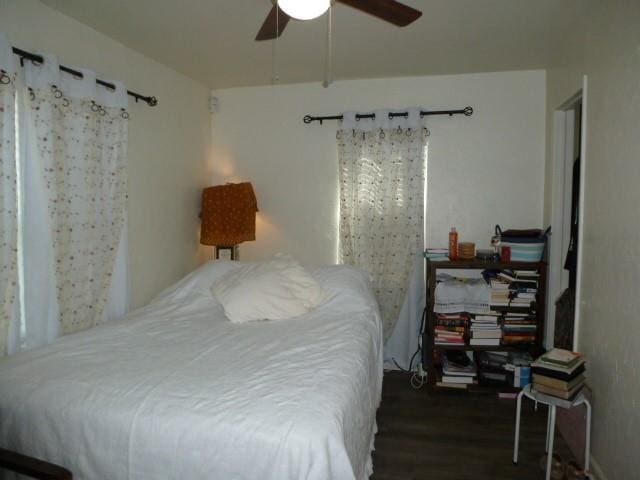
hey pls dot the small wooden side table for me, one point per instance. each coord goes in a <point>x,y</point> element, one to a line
<point>552,402</point>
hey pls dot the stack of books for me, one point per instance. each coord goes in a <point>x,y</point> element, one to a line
<point>485,330</point>
<point>491,368</point>
<point>559,373</point>
<point>437,254</point>
<point>519,328</point>
<point>457,375</point>
<point>450,328</point>
<point>513,288</point>
<point>519,368</point>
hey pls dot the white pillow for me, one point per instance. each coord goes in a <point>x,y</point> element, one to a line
<point>275,289</point>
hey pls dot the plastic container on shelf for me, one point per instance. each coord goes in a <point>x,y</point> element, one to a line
<point>525,245</point>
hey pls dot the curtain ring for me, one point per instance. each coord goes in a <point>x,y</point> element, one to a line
<point>56,93</point>
<point>32,94</point>
<point>409,132</point>
<point>4,78</point>
<point>339,134</point>
<point>94,106</point>
<point>65,102</point>
<point>102,111</point>
<point>354,132</point>
<point>426,131</point>
<point>382,134</point>
<point>124,114</point>
<point>399,129</point>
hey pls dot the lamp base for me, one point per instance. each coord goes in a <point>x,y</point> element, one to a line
<point>227,253</point>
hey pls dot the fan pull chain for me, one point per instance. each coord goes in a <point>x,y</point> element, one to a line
<point>275,75</point>
<point>328,68</point>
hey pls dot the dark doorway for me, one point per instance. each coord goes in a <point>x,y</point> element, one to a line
<point>565,305</point>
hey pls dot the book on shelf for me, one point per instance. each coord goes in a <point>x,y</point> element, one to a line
<point>450,328</point>
<point>518,321</point>
<point>451,323</point>
<point>485,341</point>
<point>497,284</point>
<point>457,379</point>
<point>527,295</point>
<point>455,373</point>
<point>446,328</point>
<point>437,254</point>
<point>493,376</point>
<point>525,290</point>
<point>461,318</point>
<point>520,329</point>
<point>451,368</point>
<point>510,304</point>
<point>526,273</point>
<point>489,317</point>
<point>484,326</point>
<point>484,323</point>
<point>441,334</point>
<point>449,336</point>
<point>492,333</point>
<point>459,386</point>
<point>510,339</point>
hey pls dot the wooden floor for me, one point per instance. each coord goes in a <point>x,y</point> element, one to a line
<point>447,434</point>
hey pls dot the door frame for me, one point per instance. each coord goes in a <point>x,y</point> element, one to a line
<point>563,158</point>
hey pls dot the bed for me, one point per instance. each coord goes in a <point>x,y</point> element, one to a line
<point>176,391</point>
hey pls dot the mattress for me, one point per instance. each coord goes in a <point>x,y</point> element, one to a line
<point>176,391</point>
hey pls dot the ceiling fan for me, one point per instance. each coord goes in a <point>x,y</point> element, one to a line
<point>283,10</point>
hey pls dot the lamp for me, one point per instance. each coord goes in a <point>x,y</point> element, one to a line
<point>304,9</point>
<point>228,217</point>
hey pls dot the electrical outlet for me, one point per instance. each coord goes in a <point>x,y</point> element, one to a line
<point>224,254</point>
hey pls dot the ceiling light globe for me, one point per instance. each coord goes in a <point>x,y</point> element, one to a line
<point>304,9</point>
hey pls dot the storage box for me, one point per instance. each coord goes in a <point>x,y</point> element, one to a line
<point>525,245</point>
<point>525,252</point>
<point>521,376</point>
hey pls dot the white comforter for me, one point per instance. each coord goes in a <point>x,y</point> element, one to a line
<point>175,391</point>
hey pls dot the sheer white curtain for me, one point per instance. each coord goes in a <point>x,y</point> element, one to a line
<point>75,186</point>
<point>63,144</point>
<point>381,164</point>
<point>8,194</point>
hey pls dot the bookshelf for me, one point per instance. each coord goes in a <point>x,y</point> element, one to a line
<point>472,268</point>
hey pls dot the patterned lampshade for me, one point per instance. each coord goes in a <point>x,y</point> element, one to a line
<point>228,214</point>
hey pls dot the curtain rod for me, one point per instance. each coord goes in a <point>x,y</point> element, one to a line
<point>151,101</point>
<point>467,111</point>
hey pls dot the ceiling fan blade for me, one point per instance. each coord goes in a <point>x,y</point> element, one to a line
<point>388,10</point>
<point>270,28</point>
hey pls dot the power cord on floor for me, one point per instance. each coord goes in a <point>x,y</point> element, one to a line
<point>419,378</point>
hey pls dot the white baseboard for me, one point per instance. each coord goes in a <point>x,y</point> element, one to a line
<point>596,472</point>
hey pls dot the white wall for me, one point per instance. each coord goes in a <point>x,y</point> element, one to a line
<point>606,48</point>
<point>482,170</point>
<point>168,144</point>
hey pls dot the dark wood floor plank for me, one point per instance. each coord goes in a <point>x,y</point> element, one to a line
<point>452,435</point>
